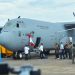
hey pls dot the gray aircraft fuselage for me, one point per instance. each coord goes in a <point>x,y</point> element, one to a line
<point>13,35</point>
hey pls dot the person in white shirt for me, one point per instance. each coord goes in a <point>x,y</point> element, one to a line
<point>26,51</point>
<point>41,50</point>
<point>62,52</point>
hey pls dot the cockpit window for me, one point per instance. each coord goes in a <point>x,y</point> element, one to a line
<point>17,25</point>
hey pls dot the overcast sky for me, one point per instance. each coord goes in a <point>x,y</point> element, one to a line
<point>44,10</point>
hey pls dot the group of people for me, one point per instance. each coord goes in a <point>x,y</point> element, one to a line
<point>63,51</point>
<point>40,48</point>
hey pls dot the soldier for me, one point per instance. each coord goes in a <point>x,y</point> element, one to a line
<point>66,50</point>
<point>70,50</point>
<point>57,51</point>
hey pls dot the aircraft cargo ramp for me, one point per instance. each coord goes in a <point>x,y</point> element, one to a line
<point>5,52</point>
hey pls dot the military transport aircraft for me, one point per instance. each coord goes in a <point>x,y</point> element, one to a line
<point>14,33</point>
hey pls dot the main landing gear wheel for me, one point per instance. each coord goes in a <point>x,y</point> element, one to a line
<point>17,55</point>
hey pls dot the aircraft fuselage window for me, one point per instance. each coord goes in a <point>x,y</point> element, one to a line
<point>17,25</point>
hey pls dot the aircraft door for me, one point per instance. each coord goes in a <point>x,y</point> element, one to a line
<point>38,39</point>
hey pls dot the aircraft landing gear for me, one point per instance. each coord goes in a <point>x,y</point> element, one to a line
<point>17,55</point>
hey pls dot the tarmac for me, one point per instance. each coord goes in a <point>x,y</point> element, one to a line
<point>50,66</point>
